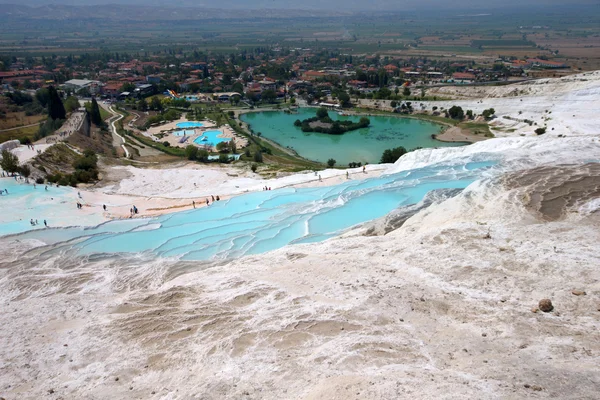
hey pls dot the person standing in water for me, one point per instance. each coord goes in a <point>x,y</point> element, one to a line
<point>104,207</point>
<point>194,203</point>
<point>45,224</point>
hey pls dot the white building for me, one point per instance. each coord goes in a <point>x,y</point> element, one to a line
<point>79,84</point>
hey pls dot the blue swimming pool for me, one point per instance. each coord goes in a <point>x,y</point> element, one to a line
<point>184,132</point>
<point>189,125</point>
<point>210,138</point>
<point>267,220</point>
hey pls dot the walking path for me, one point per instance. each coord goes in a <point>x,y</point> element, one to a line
<point>116,141</point>
<point>19,127</point>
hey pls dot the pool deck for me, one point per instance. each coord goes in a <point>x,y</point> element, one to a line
<point>207,125</point>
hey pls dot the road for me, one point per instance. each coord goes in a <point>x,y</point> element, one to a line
<point>118,140</point>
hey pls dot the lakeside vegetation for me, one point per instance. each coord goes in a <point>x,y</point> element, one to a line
<point>322,123</point>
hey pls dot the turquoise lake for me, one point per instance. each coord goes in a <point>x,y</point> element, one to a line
<point>363,145</point>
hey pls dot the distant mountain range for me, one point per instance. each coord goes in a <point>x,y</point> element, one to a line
<point>149,10</point>
<point>337,5</point>
<point>149,13</point>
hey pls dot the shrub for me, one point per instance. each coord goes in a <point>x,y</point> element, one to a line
<point>191,152</point>
<point>25,170</point>
<point>322,113</point>
<point>166,144</point>
<point>331,162</point>
<point>224,158</point>
<point>258,157</point>
<point>254,167</point>
<point>540,131</point>
<point>392,155</point>
<point>456,112</point>
<point>39,181</point>
<point>247,153</point>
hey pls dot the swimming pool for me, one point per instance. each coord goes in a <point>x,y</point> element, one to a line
<point>185,132</point>
<point>210,138</point>
<point>262,221</point>
<point>191,124</point>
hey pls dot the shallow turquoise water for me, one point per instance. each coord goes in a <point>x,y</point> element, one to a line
<point>56,206</point>
<point>363,145</point>
<point>189,125</point>
<point>267,220</point>
<point>211,138</point>
<point>185,132</point>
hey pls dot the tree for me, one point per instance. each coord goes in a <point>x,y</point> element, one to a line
<point>293,100</point>
<point>223,147</point>
<point>128,87</point>
<point>393,104</point>
<point>238,88</point>
<point>489,113</point>
<point>233,146</point>
<point>95,115</point>
<point>142,105</point>
<point>71,104</point>
<point>344,99</point>
<point>258,157</point>
<point>25,170</point>
<point>191,152</point>
<point>9,162</point>
<point>56,109</point>
<point>322,113</point>
<point>364,121</point>
<point>406,92</point>
<point>269,96</point>
<point>456,112</point>
<point>392,155</point>
<point>331,162</point>
<point>155,104</point>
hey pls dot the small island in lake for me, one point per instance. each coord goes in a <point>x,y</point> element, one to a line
<point>323,124</point>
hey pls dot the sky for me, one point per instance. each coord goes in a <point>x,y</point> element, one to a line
<point>340,5</point>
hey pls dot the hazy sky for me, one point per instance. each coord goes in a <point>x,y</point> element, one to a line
<point>373,5</point>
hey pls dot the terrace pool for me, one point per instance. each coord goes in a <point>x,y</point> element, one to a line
<point>191,124</point>
<point>210,138</point>
<point>56,205</point>
<point>262,221</point>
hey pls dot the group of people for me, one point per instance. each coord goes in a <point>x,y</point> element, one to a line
<point>34,223</point>
<point>3,191</point>
<point>267,188</point>
<point>207,200</point>
<point>132,211</point>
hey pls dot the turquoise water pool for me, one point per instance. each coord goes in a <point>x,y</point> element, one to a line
<point>210,138</point>
<point>185,132</point>
<point>363,145</point>
<point>267,220</point>
<point>56,205</point>
<point>189,124</point>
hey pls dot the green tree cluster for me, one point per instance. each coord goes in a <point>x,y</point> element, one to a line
<point>456,112</point>
<point>390,156</point>
<point>9,162</point>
